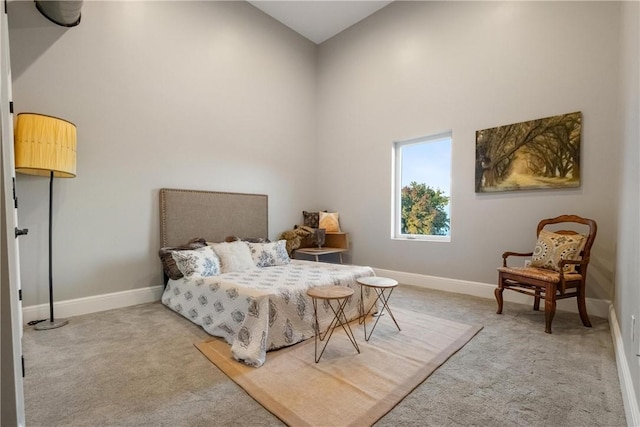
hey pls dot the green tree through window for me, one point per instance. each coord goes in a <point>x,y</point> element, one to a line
<point>423,210</point>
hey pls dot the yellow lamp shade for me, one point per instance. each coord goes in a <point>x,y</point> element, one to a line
<point>45,144</point>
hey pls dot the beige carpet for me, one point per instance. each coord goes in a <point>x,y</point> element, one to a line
<point>346,388</point>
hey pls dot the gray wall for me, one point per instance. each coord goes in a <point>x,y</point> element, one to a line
<point>627,291</point>
<point>200,95</point>
<point>419,68</point>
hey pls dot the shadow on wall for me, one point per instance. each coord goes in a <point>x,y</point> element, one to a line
<point>601,274</point>
<point>24,16</point>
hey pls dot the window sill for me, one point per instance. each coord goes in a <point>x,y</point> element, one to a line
<point>445,239</point>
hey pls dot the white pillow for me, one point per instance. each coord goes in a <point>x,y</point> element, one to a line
<point>198,262</point>
<point>234,256</point>
<point>269,254</point>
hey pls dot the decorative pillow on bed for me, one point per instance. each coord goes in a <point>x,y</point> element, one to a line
<point>551,248</point>
<point>234,256</point>
<point>330,221</point>
<point>198,262</point>
<point>269,254</point>
<point>168,263</point>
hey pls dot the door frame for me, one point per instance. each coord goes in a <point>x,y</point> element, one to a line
<point>9,250</point>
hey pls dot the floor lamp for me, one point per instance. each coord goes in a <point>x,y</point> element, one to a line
<point>46,146</point>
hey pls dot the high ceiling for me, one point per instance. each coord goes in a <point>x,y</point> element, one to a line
<point>319,20</point>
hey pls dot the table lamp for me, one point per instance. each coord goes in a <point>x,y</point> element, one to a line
<point>46,146</point>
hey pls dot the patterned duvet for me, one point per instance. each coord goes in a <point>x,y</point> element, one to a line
<point>263,309</point>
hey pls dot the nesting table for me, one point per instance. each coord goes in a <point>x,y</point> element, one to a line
<point>383,288</point>
<point>337,298</point>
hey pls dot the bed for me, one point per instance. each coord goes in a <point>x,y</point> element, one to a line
<point>257,308</point>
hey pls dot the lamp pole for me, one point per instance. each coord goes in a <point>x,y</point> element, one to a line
<point>52,323</point>
<point>51,247</point>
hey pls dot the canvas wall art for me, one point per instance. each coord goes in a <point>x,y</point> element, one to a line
<point>537,154</point>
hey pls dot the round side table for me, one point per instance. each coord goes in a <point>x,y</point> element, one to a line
<point>383,288</point>
<point>337,298</point>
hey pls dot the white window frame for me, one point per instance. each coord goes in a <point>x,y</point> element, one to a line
<point>396,189</point>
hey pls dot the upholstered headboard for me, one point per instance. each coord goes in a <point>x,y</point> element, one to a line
<point>185,214</point>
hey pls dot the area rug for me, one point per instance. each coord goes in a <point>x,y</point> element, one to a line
<point>346,388</point>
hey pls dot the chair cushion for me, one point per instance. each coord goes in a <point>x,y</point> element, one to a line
<point>551,248</point>
<point>540,274</point>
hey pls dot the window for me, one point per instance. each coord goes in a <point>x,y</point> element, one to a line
<point>422,188</point>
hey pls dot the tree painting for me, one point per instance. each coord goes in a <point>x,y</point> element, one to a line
<point>542,153</point>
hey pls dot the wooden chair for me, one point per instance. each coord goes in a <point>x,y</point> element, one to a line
<point>550,282</point>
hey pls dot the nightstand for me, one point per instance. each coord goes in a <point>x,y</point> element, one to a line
<point>334,243</point>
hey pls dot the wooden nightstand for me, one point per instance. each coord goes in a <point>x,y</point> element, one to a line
<point>334,243</point>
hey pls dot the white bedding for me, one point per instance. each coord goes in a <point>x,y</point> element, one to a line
<point>265,308</point>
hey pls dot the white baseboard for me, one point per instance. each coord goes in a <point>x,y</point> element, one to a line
<point>595,307</point>
<point>631,410</point>
<point>93,304</point>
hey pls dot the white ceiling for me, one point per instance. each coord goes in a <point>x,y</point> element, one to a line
<point>319,20</point>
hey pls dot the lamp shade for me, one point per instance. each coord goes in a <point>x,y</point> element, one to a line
<point>45,144</point>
